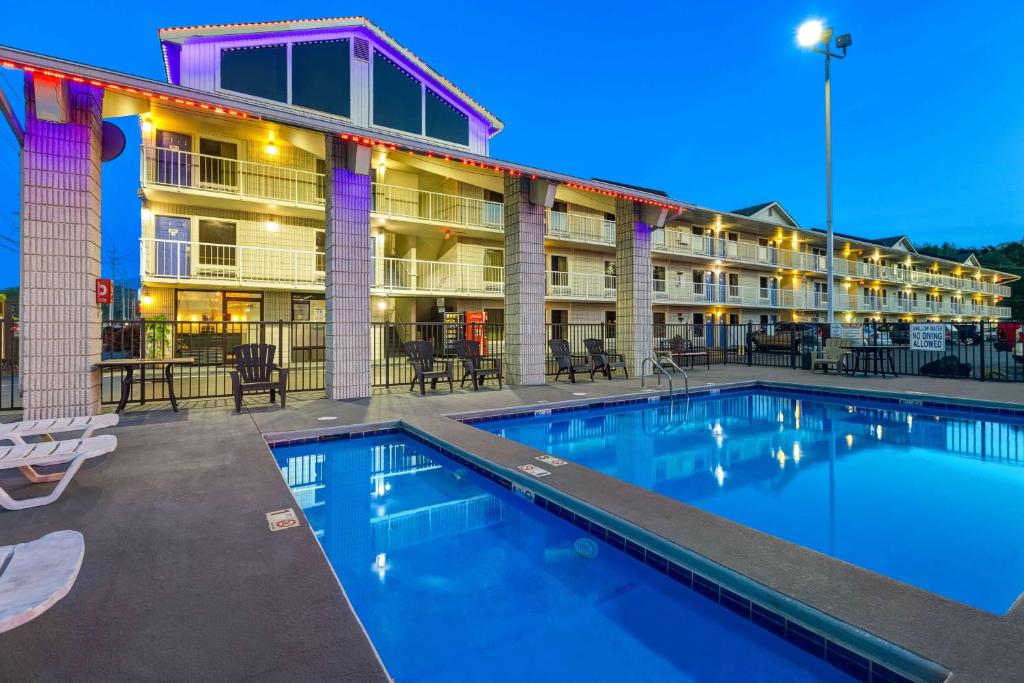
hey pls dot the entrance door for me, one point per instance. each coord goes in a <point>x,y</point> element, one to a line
<point>171,255</point>
<point>173,158</point>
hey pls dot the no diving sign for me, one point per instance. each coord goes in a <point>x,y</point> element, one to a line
<point>282,519</point>
<point>927,337</point>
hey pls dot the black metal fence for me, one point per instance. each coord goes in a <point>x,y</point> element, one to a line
<point>10,387</point>
<point>982,351</point>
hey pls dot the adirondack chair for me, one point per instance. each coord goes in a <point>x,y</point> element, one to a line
<point>474,364</point>
<point>834,356</point>
<point>426,367</point>
<point>567,361</point>
<point>602,361</point>
<point>254,372</point>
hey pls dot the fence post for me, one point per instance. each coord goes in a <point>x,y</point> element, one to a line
<point>981,344</point>
<point>746,343</point>
<point>792,349</point>
<point>142,337</point>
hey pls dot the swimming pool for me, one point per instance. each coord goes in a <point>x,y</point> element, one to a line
<point>458,579</point>
<point>931,499</point>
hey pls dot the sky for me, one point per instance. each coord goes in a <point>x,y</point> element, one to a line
<point>711,102</point>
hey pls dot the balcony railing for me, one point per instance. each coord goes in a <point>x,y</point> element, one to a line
<point>436,277</point>
<point>179,261</point>
<point>580,227</point>
<point>589,286</point>
<point>435,207</point>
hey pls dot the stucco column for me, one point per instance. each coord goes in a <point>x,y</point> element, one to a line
<point>60,252</point>
<point>525,334</point>
<point>347,264</point>
<point>633,318</point>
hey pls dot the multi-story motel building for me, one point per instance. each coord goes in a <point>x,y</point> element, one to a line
<point>233,224</point>
<point>285,165</point>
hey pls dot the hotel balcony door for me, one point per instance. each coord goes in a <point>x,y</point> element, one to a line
<point>172,250</point>
<point>173,158</point>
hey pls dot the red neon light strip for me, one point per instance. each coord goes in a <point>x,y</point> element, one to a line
<point>106,85</point>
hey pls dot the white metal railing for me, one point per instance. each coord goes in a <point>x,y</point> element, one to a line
<point>592,286</point>
<point>436,277</point>
<point>436,207</point>
<point>181,170</point>
<point>180,261</point>
<point>580,227</point>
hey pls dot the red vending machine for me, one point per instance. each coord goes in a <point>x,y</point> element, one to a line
<point>476,328</point>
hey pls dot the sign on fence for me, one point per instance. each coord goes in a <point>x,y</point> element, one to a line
<point>927,337</point>
<point>854,331</point>
<point>104,291</point>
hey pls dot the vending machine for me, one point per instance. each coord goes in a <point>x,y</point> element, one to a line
<point>476,328</point>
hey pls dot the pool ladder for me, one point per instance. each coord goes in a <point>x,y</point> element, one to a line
<point>659,364</point>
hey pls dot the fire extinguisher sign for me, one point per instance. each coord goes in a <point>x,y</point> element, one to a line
<point>104,291</point>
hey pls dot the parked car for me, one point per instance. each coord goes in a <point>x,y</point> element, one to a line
<point>1018,348</point>
<point>785,336</point>
<point>966,334</point>
<point>898,333</point>
<point>1006,336</point>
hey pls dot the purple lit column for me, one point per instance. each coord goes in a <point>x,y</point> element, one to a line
<point>525,334</point>
<point>633,318</point>
<point>60,254</point>
<point>347,263</point>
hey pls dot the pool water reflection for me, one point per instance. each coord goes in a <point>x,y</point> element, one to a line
<point>932,500</point>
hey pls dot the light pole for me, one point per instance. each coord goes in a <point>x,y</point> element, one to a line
<point>816,36</point>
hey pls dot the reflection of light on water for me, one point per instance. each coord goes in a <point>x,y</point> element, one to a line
<point>797,453</point>
<point>849,440</point>
<point>380,486</point>
<point>796,416</point>
<point>781,457</point>
<point>910,423</point>
<point>719,474</point>
<point>717,429</point>
<point>381,566</point>
<point>780,417</point>
<point>878,432</point>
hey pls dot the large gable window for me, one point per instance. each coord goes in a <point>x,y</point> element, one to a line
<point>321,76</point>
<point>444,121</point>
<point>397,97</point>
<point>260,71</point>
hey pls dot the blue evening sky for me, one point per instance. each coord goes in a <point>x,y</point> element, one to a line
<point>713,102</point>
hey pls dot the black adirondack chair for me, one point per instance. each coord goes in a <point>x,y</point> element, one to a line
<point>602,361</point>
<point>567,361</point>
<point>475,365</point>
<point>426,367</point>
<point>255,372</point>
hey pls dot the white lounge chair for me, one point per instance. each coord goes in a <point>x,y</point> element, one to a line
<point>29,456</point>
<point>16,432</point>
<point>35,575</point>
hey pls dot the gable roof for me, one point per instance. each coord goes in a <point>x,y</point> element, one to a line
<point>756,210</point>
<point>172,38</point>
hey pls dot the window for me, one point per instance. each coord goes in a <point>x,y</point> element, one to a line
<point>494,262</point>
<point>734,318</point>
<point>218,163</point>
<point>320,245</point>
<point>309,308</point>
<point>698,282</point>
<point>217,243</point>
<point>609,324</point>
<point>659,278</point>
<point>321,76</point>
<point>397,97</point>
<point>659,324</point>
<point>444,121</point>
<point>559,321</point>
<point>609,274</point>
<point>260,71</point>
<point>559,271</point>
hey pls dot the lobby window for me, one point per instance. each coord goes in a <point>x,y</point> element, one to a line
<point>444,121</point>
<point>260,71</point>
<point>321,76</point>
<point>217,243</point>
<point>397,97</point>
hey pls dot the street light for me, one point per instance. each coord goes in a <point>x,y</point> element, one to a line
<point>815,35</point>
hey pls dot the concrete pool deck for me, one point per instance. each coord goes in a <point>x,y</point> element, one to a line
<point>182,578</point>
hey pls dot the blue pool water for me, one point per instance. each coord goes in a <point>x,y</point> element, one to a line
<point>457,579</point>
<point>934,500</point>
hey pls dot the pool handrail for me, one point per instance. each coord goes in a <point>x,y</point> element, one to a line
<point>657,363</point>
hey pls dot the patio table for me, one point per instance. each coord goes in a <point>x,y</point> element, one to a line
<point>129,365</point>
<point>874,357</point>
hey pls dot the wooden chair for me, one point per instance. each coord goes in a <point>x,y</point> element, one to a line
<point>474,364</point>
<point>833,356</point>
<point>566,360</point>
<point>254,372</point>
<point>683,352</point>
<point>426,367</point>
<point>602,361</point>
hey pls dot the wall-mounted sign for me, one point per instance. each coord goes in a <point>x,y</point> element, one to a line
<point>846,331</point>
<point>104,291</point>
<point>927,337</point>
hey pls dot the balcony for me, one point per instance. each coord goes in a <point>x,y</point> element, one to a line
<point>440,278</point>
<point>390,201</point>
<point>218,264</point>
<point>580,286</point>
<point>580,227</point>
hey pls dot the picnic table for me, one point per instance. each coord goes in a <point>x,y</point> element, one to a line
<point>873,357</point>
<point>129,379</point>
